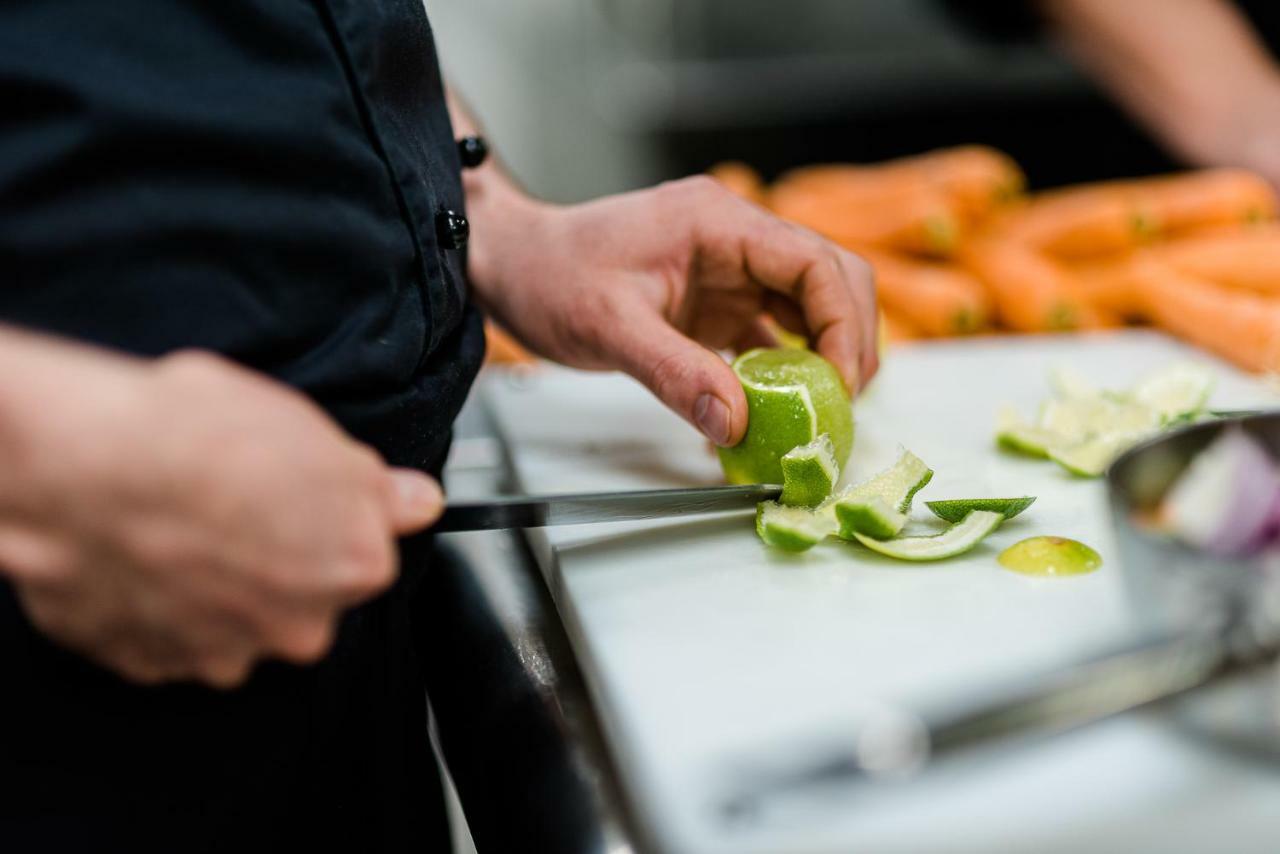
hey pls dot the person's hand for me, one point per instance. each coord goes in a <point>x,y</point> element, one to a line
<point>647,282</point>
<point>1240,128</point>
<point>184,518</point>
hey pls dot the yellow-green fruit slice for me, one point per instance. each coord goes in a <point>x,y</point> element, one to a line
<point>809,473</point>
<point>956,540</point>
<point>792,529</point>
<point>1053,556</point>
<point>955,509</point>
<point>793,396</point>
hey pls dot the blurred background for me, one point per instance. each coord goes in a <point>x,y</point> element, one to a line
<point>585,97</point>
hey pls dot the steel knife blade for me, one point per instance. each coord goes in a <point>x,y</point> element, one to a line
<point>539,511</point>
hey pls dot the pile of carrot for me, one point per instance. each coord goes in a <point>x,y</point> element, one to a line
<point>959,247</point>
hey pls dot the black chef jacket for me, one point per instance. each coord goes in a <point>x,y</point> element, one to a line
<point>264,178</point>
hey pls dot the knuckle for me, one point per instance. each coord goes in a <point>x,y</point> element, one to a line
<point>196,363</point>
<point>368,562</point>
<point>305,643</point>
<point>667,374</point>
<point>225,673</point>
<point>694,188</point>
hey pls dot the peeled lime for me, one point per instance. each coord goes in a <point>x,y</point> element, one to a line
<point>1050,556</point>
<point>955,509</point>
<point>956,540</point>
<point>793,396</point>
<point>809,473</point>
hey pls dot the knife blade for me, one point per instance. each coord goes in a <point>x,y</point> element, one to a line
<point>539,511</point>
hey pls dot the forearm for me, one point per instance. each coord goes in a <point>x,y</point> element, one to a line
<point>1184,69</point>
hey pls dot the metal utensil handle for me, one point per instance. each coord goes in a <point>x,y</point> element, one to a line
<point>897,744</point>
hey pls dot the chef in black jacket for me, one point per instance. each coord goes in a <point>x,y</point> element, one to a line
<point>239,277</point>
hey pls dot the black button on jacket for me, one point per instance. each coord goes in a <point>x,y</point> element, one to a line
<point>263,178</point>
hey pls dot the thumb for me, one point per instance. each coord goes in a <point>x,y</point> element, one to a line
<point>415,500</point>
<point>695,382</point>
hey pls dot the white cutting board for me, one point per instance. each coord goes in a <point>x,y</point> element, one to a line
<point>701,646</point>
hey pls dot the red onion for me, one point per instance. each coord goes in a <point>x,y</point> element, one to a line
<point>1227,502</point>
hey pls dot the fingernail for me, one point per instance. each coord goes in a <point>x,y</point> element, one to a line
<point>712,417</point>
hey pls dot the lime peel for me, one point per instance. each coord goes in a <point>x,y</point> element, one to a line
<point>792,529</point>
<point>873,516</point>
<point>878,506</point>
<point>955,509</point>
<point>1084,429</point>
<point>809,473</point>
<point>956,540</point>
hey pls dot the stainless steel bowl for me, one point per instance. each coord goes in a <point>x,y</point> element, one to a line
<point>1174,589</point>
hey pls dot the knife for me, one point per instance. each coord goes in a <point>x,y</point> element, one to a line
<point>540,511</point>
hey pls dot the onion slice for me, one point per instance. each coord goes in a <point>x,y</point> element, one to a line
<point>1227,502</point>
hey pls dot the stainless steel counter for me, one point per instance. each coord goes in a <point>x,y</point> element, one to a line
<point>517,729</point>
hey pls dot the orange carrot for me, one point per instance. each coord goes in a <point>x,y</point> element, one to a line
<point>1240,327</point>
<point>1209,197</point>
<point>1107,286</point>
<point>935,298</point>
<point>908,217</point>
<point>1092,220</point>
<point>975,178</point>
<point>1032,292</point>
<point>1245,259</point>
<point>740,179</point>
<point>502,349</point>
<point>897,329</point>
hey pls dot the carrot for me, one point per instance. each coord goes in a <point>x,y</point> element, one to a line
<point>1107,286</point>
<point>936,299</point>
<point>1242,328</point>
<point>908,217</point>
<point>1092,220</point>
<point>1209,197</point>
<point>974,178</point>
<point>1032,292</point>
<point>502,349</point>
<point>895,329</point>
<point>740,179</point>
<point>1245,259</point>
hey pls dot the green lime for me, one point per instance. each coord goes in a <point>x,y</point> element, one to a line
<point>793,396</point>
<point>956,540</point>
<point>1050,556</point>
<point>809,473</point>
<point>792,529</point>
<point>955,509</point>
